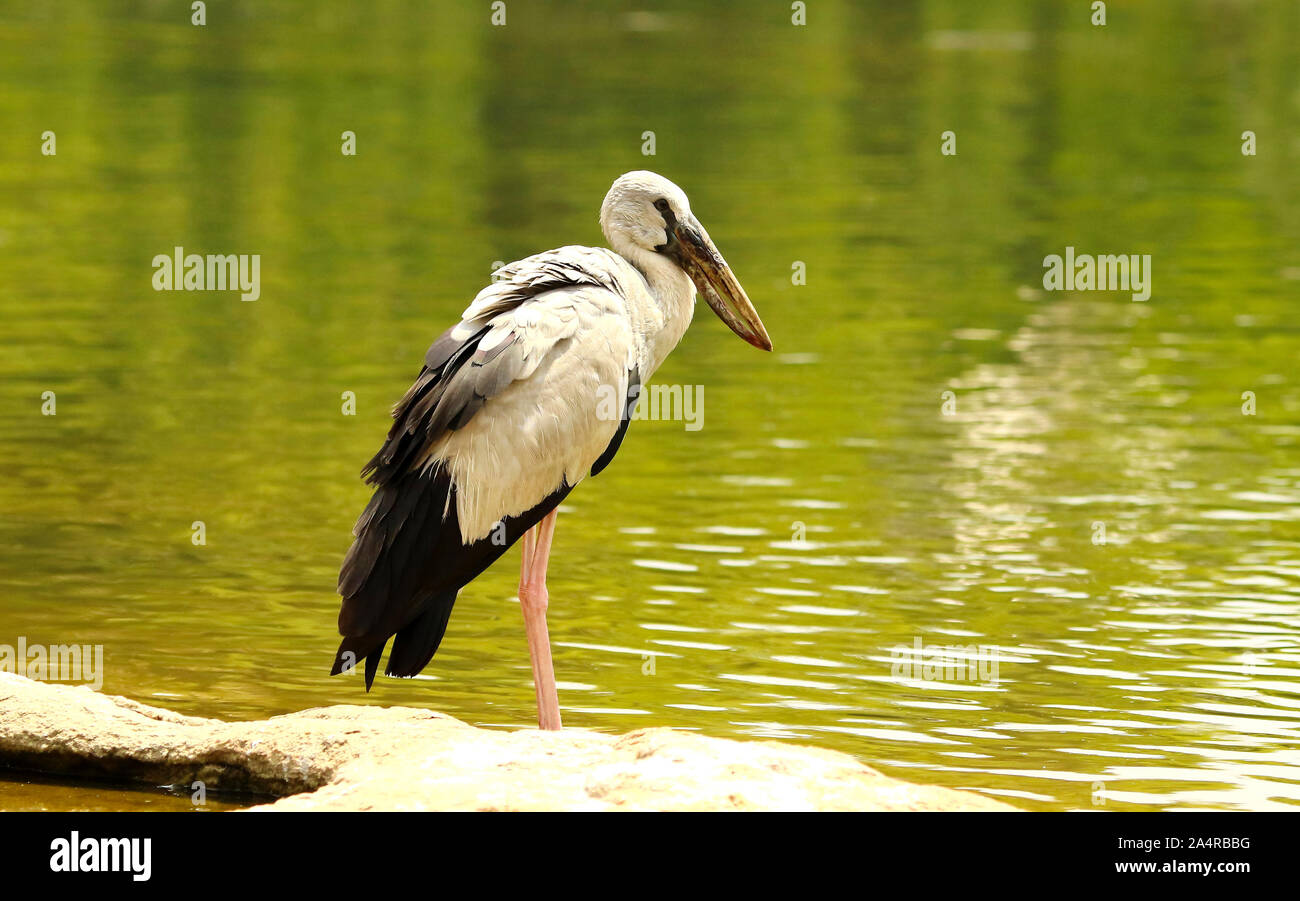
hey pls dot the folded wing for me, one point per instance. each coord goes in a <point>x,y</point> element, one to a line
<point>511,409</point>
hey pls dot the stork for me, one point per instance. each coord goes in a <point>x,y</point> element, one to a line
<point>506,418</point>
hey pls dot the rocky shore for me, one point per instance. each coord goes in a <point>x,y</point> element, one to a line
<point>400,758</point>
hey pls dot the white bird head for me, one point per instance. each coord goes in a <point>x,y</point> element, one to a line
<point>646,213</point>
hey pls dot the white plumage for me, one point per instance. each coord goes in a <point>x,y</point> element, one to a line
<point>576,345</point>
<point>516,404</point>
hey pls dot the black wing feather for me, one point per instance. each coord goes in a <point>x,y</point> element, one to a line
<point>403,571</point>
<point>625,418</point>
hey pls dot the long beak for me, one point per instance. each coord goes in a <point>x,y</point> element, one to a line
<point>713,278</point>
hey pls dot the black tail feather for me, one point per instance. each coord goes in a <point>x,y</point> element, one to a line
<point>415,644</point>
<point>372,663</point>
<point>350,652</point>
<point>408,562</point>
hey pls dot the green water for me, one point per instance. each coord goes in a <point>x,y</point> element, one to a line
<point>750,579</point>
<point>25,792</point>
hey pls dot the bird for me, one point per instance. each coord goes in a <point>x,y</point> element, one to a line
<point>511,411</point>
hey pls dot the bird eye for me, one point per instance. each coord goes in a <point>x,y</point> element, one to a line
<point>661,205</point>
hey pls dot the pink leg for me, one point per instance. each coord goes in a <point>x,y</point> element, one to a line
<point>533,600</point>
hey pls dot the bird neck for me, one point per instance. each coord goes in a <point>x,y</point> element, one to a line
<point>661,323</point>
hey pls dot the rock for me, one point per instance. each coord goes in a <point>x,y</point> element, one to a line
<point>399,758</point>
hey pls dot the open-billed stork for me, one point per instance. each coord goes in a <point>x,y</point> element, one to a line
<point>510,412</point>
